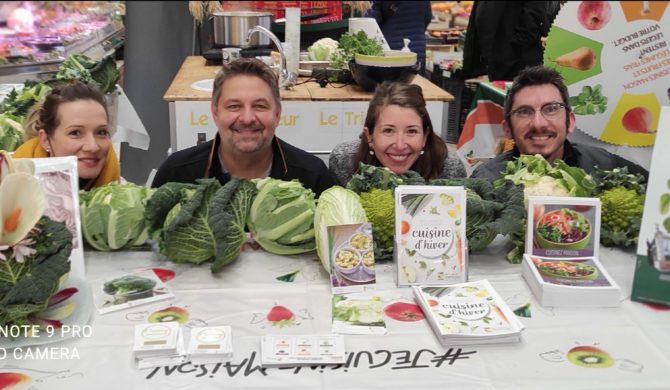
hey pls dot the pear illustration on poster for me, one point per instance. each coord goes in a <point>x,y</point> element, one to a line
<point>615,59</point>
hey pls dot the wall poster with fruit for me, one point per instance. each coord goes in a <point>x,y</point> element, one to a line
<point>615,58</point>
<point>652,272</point>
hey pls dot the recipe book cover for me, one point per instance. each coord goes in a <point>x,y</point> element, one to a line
<point>577,272</point>
<point>430,245</point>
<point>472,308</point>
<point>563,226</point>
<point>129,290</point>
<point>651,282</point>
<point>352,257</point>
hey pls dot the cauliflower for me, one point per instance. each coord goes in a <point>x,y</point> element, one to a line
<point>545,186</point>
<point>621,215</point>
<point>322,49</point>
<point>379,207</point>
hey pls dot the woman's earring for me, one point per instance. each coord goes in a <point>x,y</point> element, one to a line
<point>422,152</point>
<point>372,152</point>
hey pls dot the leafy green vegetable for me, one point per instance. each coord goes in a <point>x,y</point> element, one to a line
<point>11,132</point>
<point>370,176</point>
<point>622,197</point>
<point>531,171</point>
<point>112,216</point>
<point>351,44</point>
<point>489,210</point>
<point>336,206</point>
<point>200,222</point>
<point>18,103</point>
<point>128,284</point>
<point>103,74</point>
<point>281,218</point>
<point>590,101</point>
<point>234,201</point>
<point>25,288</point>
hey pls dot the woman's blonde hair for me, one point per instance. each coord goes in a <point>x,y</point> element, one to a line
<point>43,115</point>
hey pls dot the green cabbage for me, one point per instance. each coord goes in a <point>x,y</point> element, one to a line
<point>281,219</point>
<point>112,216</point>
<point>336,206</point>
<point>201,222</point>
<point>322,49</point>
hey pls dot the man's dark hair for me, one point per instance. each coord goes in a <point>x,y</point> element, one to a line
<point>250,67</point>
<point>537,75</point>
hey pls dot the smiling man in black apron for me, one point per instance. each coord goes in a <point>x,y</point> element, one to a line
<point>246,108</point>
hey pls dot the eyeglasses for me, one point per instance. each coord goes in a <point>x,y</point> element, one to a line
<point>549,111</point>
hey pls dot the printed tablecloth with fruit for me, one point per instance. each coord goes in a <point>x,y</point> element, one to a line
<point>262,294</point>
<point>615,59</point>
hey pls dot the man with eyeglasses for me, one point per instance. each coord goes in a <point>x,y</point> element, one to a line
<point>538,118</point>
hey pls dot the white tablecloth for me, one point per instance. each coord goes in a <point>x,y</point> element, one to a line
<point>407,357</point>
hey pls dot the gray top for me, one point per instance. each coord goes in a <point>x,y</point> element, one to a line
<point>341,163</point>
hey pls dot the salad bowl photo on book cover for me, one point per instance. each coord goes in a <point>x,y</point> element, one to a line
<point>570,272</point>
<point>430,241</point>
<point>563,227</point>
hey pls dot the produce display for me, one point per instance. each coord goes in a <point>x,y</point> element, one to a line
<point>13,109</point>
<point>50,31</point>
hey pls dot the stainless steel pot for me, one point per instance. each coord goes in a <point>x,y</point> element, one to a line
<point>230,28</point>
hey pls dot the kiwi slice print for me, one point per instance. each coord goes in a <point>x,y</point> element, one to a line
<point>587,356</point>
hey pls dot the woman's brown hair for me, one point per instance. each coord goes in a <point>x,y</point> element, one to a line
<point>431,163</point>
<point>44,114</point>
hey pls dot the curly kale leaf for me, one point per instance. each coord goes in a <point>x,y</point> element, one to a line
<point>230,206</point>
<point>162,201</point>
<point>25,288</point>
<point>382,178</point>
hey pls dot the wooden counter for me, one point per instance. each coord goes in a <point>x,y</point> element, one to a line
<point>195,69</point>
<point>312,118</point>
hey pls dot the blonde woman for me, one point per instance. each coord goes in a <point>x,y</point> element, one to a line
<point>72,120</point>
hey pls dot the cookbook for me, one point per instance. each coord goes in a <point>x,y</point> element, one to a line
<point>430,243</point>
<point>468,313</point>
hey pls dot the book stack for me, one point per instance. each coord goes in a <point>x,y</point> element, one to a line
<point>211,344</point>
<point>561,263</point>
<point>294,350</point>
<point>468,314</point>
<point>572,282</point>
<point>158,345</point>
